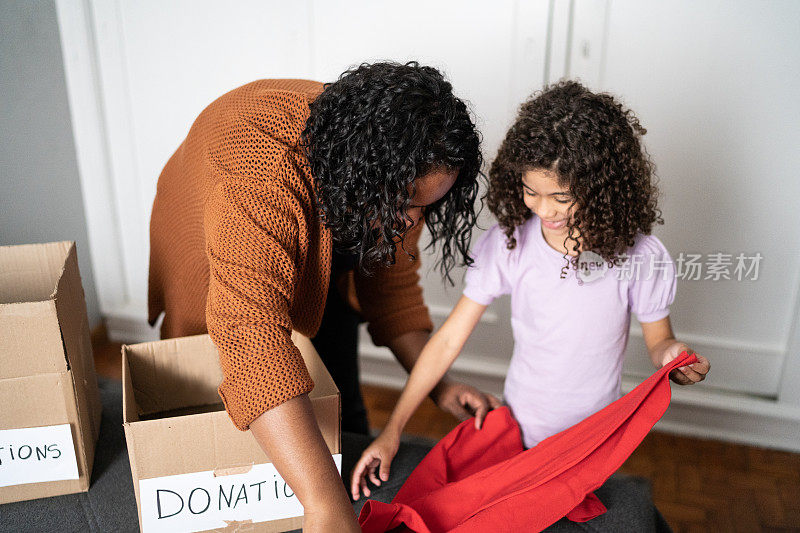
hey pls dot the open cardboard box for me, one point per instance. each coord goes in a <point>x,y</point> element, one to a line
<point>192,469</point>
<point>49,402</point>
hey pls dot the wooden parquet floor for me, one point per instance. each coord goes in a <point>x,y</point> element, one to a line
<point>698,485</point>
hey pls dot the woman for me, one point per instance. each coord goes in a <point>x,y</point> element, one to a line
<point>293,205</point>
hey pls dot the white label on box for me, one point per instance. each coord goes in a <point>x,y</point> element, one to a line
<point>33,455</point>
<point>200,500</point>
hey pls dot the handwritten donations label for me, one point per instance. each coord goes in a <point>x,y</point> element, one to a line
<point>201,500</point>
<point>33,455</point>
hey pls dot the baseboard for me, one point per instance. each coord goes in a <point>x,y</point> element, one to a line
<point>695,411</point>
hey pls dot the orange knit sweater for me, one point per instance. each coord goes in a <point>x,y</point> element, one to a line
<point>237,248</point>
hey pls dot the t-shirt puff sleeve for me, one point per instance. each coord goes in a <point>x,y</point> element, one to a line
<point>489,276</point>
<point>652,279</point>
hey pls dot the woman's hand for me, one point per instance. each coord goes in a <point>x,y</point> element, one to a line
<point>685,375</point>
<point>377,457</point>
<point>464,401</point>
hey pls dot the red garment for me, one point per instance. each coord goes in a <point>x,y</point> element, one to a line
<point>483,480</point>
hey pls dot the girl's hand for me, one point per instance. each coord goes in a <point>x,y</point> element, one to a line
<point>464,401</point>
<point>377,456</point>
<point>685,375</point>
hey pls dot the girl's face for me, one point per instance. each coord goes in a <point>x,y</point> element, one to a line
<point>551,202</point>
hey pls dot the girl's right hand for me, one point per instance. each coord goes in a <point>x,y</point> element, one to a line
<point>377,457</point>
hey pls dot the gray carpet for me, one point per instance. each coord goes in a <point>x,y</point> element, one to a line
<point>110,505</point>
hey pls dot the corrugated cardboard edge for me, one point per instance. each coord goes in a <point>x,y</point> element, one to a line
<point>74,323</point>
<point>28,332</point>
<point>35,270</point>
<point>130,415</point>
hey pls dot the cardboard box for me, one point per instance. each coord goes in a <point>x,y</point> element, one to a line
<point>192,469</point>
<point>49,401</point>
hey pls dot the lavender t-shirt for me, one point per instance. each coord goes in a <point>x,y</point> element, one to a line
<point>569,334</point>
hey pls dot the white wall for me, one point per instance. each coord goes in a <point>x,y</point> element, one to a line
<point>137,82</point>
<point>40,195</point>
<point>713,82</point>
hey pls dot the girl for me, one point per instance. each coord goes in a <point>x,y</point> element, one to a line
<point>572,191</point>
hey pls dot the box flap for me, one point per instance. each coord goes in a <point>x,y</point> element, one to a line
<point>73,322</point>
<point>130,411</point>
<point>30,337</point>
<point>30,272</point>
<point>169,375</point>
<point>185,372</point>
<point>173,373</point>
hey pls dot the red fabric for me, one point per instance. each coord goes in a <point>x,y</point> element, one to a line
<point>483,480</point>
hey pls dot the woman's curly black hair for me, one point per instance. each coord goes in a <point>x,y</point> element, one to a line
<point>594,147</point>
<point>369,136</point>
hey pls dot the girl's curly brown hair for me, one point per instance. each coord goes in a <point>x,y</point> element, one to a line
<point>594,146</point>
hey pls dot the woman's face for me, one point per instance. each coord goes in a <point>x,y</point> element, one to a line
<point>430,188</point>
<point>551,202</point>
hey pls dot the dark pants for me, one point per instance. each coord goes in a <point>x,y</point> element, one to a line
<point>337,345</point>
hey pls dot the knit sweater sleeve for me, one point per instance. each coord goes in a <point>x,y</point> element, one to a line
<point>391,297</point>
<point>251,244</point>
<point>253,237</point>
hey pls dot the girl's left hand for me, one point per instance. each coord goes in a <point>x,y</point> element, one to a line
<point>685,375</point>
